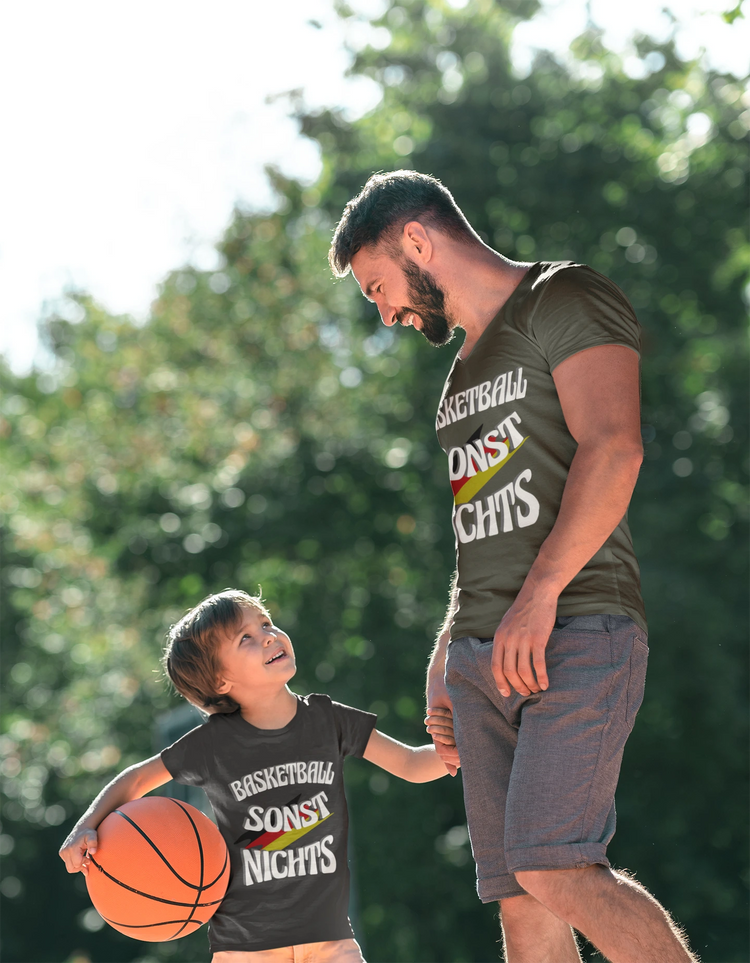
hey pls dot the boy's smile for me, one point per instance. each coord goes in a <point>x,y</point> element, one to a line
<point>257,656</point>
<point>281,654</point>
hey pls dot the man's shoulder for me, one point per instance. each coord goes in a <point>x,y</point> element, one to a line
<point>565,276</point>
<point>562,279</point>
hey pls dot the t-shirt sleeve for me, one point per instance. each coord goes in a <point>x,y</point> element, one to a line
<point>354,727</point>
<point>186,759</point>
<point>581,309</point>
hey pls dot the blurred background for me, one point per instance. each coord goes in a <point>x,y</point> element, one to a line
<point>200,405</point>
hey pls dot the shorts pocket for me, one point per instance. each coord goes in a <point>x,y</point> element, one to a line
<point>636,679</point>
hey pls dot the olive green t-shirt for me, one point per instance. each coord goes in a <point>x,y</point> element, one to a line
<point>509,449</point>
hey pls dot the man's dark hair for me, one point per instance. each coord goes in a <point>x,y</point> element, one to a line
<point>191,656</point>
<point>384,205</point>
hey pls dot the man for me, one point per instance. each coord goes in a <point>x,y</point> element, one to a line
<point>540,418</point>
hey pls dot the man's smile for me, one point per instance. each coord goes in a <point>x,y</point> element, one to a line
<point>406,318</point>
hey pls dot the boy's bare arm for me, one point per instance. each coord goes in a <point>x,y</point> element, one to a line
<point>415,764</point>
<point>132,783</point>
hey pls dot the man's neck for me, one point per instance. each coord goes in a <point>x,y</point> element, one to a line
<point>480,284</point>
<point>269,711</point>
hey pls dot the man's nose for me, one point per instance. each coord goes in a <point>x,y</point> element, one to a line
<point>388,316</point>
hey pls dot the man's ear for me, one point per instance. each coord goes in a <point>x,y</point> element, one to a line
<point>416,241</point>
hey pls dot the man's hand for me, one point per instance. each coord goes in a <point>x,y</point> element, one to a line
<point>439,718</point>
<point>77,848</point>
<point>439,723</point>
<point>520,642</point>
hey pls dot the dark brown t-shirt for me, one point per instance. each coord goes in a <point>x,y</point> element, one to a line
<point>509,449</point>
<point>278,797</point>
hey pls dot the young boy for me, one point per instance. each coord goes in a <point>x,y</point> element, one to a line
<point>269,761</point>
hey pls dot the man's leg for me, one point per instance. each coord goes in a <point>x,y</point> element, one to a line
<point>486,742</point>
<point>531,934</point>
<point>615,913</point>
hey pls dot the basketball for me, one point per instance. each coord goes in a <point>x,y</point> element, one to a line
<point>160,870</point>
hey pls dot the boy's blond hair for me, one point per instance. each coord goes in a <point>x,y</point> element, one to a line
<point>191,655</point>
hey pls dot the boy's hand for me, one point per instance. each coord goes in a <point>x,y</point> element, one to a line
<point>439,723</point>
<point>76,848</point>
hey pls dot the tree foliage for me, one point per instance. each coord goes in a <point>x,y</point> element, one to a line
<point>731,15</point>
<point>262,428</point>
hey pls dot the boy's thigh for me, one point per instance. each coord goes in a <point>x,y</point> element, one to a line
<point>332,951</point>
<point>539,772</point>
<point>337,951</point>
<point>281,954</point>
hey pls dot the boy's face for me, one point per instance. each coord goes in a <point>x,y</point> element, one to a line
<point>256,658</point>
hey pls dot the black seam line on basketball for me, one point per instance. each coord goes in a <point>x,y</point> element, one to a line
<point>138,892</point>
<point>145,926</point>
<point>216,879</point>
<point>200,850</point>
<point>158,852</point>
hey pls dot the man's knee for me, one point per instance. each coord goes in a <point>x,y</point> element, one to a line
<point>561,888</point>
<point>520,908</point>
<point>541,884</point>
<point>524,917</point>
<point>532,932</point>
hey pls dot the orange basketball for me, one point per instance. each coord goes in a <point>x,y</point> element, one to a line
<point>160,870</point>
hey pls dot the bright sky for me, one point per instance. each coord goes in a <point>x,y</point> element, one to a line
<point>131,130</point>
<point>699,27</point>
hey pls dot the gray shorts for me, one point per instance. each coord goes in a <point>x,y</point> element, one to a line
<point>540,771</point>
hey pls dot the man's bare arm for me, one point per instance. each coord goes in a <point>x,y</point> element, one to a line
<point>438,700</point>
<point>599,391</point>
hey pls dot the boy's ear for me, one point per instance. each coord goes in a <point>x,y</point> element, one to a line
<point>222,686</point>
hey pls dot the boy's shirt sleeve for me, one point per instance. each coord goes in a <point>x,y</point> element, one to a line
<point>354,727</point>
<point>185,759</point>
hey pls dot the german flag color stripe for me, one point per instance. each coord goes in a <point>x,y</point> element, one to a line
<point>281,840</point>
<point>474,484</point>
<point>291,837</point>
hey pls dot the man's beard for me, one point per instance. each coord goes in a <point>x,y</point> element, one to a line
<point>428,301</point>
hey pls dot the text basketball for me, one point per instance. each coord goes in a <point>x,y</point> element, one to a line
<point>160,870</point>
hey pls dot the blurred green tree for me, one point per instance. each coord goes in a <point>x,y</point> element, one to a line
<point>263,428</point>
<point>731,15</point>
